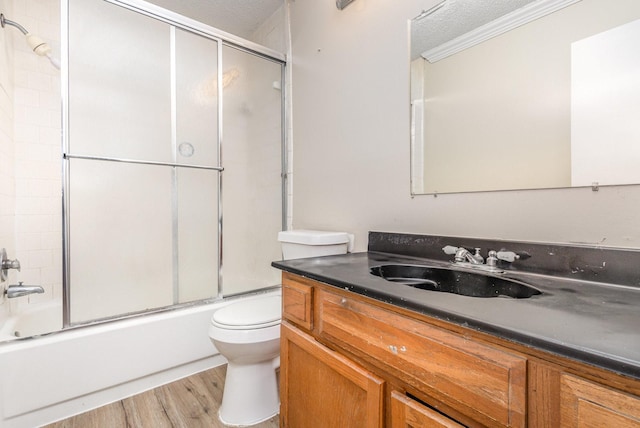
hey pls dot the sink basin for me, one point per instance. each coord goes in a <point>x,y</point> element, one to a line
<point>473,284</point>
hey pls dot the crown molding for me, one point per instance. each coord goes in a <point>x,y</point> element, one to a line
<point>498,26</point>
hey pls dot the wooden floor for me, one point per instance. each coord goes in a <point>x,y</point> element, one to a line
<point>190,402</point>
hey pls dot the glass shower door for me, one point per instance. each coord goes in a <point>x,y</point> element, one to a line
<point>252,179</point>
<point>141,164</point>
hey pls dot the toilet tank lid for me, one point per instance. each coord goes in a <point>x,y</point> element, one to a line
<point>313,237</point>
<point>250,312</point>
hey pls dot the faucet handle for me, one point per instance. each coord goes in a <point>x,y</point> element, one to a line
<point>510,256</point>
<point>507,256</point>
<point>450,249</point>
<point>11,264</point>
<point>6,264</point>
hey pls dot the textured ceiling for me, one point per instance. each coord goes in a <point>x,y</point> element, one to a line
<point>455,18</point>
<point>238,17</point>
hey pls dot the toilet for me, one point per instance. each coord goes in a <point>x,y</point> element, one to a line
<point>246,332</point>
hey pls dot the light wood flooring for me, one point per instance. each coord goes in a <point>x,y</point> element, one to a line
<point>191,402</point>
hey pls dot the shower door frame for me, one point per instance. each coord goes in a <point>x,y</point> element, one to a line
<point>223,39</point>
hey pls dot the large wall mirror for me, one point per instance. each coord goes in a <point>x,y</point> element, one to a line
<point>525,94</point>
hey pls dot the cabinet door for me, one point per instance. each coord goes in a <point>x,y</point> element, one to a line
<point>408,413</point>
<point>322,389</point>
<point>586,404</point>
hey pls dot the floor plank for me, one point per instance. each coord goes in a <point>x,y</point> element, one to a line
<point>192,402</point>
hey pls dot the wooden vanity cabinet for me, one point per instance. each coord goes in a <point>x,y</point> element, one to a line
<point>351,361</point>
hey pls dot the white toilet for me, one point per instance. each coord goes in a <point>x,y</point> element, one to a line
<point>247,333</point>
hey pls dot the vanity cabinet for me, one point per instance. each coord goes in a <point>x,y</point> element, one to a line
<point>352,361</point>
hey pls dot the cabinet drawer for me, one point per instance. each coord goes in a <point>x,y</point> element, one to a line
<point>408,413</point>
<point>297,302</point>
<point>481,381</point>
<point>585,403</point>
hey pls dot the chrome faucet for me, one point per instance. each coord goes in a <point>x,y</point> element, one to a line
<point>22,290</point>
<point>463,257</point>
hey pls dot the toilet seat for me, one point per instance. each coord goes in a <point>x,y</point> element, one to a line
<point>255,313</point>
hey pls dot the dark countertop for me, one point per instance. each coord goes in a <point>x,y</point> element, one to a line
<point>591,322</point>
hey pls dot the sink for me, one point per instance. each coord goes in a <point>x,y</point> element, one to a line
<point>473,284</point>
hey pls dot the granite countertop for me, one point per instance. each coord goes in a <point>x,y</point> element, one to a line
<point>592,322</point>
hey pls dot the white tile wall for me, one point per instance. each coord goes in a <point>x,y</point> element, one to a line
<point>37,151</point>
<point>7,192</point>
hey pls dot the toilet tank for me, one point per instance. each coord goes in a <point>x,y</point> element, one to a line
<point>299,244</point>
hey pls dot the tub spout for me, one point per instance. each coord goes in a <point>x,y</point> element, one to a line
<point>22,290</point>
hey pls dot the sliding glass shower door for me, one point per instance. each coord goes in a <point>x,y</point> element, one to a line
<point>252,178</point>
<point>154,110</point>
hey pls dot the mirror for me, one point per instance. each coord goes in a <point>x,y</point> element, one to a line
<point>525,95</point>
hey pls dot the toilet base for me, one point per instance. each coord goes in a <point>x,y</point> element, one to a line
<point>250,394</point>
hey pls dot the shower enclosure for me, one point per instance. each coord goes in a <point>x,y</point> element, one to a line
<point>173,163</point>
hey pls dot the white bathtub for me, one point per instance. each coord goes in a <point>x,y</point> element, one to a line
<point>51,377</point>
<point>34,320</point>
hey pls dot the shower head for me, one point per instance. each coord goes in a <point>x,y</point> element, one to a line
<point>36,43</point>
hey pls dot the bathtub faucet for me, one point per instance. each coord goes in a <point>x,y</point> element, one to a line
<point>22,290</point>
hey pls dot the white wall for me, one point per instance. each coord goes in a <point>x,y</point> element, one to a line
<point>351,142</point>
<point>37,145</point>
<point>30,212</point>
<point>7,189</point>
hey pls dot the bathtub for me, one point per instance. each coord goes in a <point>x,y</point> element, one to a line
<point>54,376</point>
<point>33,321</point>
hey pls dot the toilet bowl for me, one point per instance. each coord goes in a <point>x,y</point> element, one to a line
<point>246,331</point>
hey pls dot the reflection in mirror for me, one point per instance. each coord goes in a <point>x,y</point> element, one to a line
<point>551,103</point>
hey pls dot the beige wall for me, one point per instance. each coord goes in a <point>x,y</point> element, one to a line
<point>520,82</point>
<point>351,144</point>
